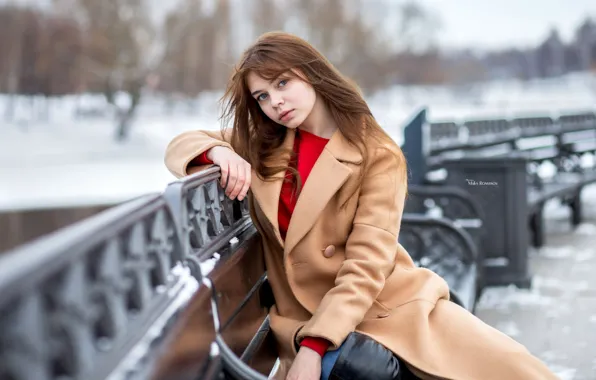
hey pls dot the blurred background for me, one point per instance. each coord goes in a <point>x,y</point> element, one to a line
<point>91,91</point>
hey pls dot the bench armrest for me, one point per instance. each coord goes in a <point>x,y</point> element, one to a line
<point>440,245</point>
<point>448,202</point>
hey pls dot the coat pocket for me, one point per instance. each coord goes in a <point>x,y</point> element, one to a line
<point>405,285</point>
<point>376,311</point>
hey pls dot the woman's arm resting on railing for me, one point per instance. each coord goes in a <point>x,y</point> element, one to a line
<point>184,150</point>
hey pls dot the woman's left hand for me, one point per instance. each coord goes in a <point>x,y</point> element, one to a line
<point>306,365</point>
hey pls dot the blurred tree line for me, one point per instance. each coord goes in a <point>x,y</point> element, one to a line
<point>100,46</point>
<point>190,46</point>
<point>107,46</point>
<point>552,57</point>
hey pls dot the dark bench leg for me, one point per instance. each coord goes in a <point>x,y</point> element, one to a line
<point>576,209</point>
<point>537,228</point>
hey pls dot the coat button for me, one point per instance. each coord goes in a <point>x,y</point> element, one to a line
<point>329,251</point>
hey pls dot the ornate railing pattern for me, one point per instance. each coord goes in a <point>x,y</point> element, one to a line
<point>80,298</point>
<point>207,219</point>
<point>92,300</point>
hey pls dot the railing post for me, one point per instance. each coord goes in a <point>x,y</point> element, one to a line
<point>416,147</point>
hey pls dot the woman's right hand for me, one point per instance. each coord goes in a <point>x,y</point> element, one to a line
<point>235,171</point>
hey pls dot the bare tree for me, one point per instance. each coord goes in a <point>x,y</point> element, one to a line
<point>364,43</point>
<point>416,28</point>
<point>267,15</point>
<point>125,43</point>
<point>337,28</point>
<point>12,27</point>
<point>585,40</point>
<point>200,59</point>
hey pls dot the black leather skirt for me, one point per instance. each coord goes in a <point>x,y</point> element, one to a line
<point>363,358</point>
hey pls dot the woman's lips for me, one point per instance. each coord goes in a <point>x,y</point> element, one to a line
<point>285,116</point>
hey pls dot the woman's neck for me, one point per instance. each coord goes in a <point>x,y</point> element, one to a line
<point>319,122</point>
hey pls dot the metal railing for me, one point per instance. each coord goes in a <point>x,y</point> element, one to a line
<point>91,301</point>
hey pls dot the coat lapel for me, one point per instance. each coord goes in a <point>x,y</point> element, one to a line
<point>267,192</point>
<point>327,176</point>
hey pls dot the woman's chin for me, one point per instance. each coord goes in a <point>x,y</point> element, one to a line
<point>292,124</point>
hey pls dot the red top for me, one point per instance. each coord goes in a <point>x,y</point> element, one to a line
<point>308,148</point>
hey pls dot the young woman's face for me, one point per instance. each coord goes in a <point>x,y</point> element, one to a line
<point>287,100</point>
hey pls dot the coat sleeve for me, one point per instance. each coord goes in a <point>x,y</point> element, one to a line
<point>186,147</point>
<point>370,251</point>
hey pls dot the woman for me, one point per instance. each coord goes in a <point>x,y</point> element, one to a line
<point>328,189</point>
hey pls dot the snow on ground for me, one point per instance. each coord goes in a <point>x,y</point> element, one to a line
<point>73,160</point>
<point>556,318</point>
<point>62,152</point>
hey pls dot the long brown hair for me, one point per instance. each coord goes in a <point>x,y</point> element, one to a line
<point>258,139</point>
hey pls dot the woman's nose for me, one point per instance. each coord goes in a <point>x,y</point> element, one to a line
<point>276,100</point>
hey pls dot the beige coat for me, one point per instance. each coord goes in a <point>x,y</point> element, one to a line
<point>342,269</point>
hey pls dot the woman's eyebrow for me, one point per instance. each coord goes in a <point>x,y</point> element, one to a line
<point>280,76</point>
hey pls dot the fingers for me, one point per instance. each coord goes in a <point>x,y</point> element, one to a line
<point>247,182</point>
<point>232,179</point>
<point>235,176</point>
<point>242,184</point>
<point>225,169</point>
<point>240,179</point>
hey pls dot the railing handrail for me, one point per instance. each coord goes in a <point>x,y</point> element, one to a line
<point>41,256</point>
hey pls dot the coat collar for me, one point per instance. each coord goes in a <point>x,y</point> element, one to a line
<point>328,174</point>
<point>341,149</point>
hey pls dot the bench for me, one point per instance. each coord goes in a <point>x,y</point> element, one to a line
<point>448,202</point>
<point>561,141</point>
<point>440,245</point>
<point>510,155</point>
<point>167,286</point>
<point>457,207</point>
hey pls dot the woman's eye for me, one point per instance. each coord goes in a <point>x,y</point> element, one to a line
<point>283,82</point>
<point>261,97</point>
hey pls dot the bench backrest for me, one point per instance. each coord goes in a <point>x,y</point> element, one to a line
<point>90,301</point>
<point>478,133</point>
<point>109,297</point>
<point>416,146</point>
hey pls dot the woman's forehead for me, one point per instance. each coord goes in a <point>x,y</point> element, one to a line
<point>254,79</point>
